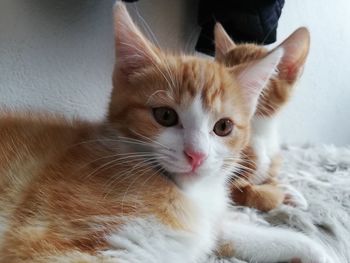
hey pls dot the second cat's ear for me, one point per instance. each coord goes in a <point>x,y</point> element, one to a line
<point>223,42</point>
<point>296,49</point>
<point>133,50</point>
<point>252,77</point>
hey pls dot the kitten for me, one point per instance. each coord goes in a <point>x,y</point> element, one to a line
<point>150,183</point>
<point>257,186</point>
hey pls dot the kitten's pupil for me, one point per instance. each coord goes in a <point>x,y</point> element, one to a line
<point>165,116</point>
<point>223,127</point>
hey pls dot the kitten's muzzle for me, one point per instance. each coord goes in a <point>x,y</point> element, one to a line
<point>194,158</point>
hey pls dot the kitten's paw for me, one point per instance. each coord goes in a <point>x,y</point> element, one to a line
<point>316,254</point>
<point>321,259</point>
<point>293,197</point>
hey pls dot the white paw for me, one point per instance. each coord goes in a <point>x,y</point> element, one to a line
<point>320,259</point>
<point>317,254</point>
<point>293,197</point>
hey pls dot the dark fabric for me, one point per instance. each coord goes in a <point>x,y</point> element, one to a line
<point>244,20</point>
<point>129,1</point>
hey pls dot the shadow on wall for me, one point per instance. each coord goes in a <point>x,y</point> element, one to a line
<point>58,55</point>
<point>174,23</point>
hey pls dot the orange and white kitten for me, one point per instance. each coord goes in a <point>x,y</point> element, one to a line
<point>150,183</point>
<point>257,186</point>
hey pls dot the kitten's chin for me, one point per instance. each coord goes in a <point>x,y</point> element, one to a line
<point>181,178</point>
<point>185,177</point>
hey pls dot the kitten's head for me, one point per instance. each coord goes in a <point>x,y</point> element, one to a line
<point>279,87</point>
<point>189,115</point>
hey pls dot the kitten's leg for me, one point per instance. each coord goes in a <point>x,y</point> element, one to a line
<point>268,244</point>
<point>293,197</point>
<point>263,197</point>
<point>266,197</point>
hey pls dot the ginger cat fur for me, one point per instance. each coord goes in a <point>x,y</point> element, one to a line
<point>257,185</point>
<point>149,184</point>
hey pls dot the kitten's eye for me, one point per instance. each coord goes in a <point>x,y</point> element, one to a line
<point>165,116</point>
<point>223,127</point>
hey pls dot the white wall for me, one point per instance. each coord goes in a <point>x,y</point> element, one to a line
<point>320,109</point>
<point>58,55</point>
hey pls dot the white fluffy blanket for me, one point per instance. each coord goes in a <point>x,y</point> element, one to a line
<point>322,174</point>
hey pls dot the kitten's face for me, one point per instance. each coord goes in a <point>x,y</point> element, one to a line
<point>192,112</point>
<point>192,115</point>
<point>279,88</point>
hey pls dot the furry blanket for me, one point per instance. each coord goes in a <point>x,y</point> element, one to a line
<point>322,174</point>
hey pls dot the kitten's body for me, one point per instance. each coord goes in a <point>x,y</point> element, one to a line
<point>59,200</point>
<point>60,208</point>
<point>262,157</point>
<point>135,188</point>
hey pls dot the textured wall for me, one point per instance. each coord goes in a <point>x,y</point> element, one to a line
<point>58,55</point>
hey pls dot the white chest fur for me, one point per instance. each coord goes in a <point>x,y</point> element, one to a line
<point>147,240</point>
<point>265,142</point>
<point>210,200</point>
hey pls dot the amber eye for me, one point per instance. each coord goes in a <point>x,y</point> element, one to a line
<point>165,116</point>
<point>223,127</point>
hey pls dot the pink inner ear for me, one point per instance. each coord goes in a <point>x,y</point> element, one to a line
<point>133,50</point>
<point>296,48</point>
<point>291,72</point>
<point>223,42</point>
<point>253,77</point>
<point>290,67</point>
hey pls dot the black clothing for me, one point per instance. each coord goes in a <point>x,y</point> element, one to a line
<point>244,20</point>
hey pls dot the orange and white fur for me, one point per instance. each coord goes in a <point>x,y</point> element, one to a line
<point>256,184</point>
<point>150,184</point>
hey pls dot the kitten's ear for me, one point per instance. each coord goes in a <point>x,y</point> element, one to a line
<point>296,49</point>
<point>223,42</point>
<point>253,77</point>
<point>133,50</point>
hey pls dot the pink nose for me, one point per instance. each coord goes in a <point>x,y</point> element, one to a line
<point>195,158</point>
